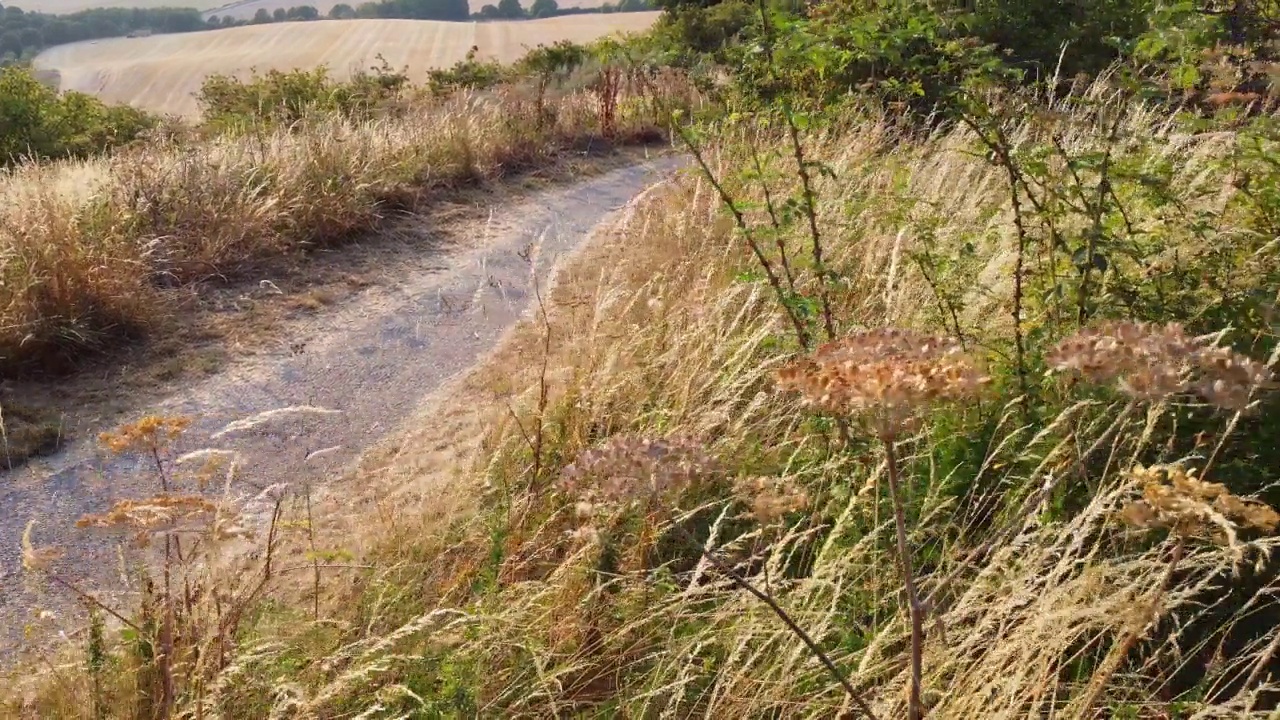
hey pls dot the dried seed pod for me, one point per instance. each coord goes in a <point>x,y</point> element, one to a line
<point>1155,362</point>
<point>887,375</point>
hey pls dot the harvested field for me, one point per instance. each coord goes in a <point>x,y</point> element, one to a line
<point>162,73</point>
<point>245,9</point>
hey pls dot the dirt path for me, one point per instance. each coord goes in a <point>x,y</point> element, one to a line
<point>372,359</point>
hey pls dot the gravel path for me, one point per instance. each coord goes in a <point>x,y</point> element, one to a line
<point>373,359</point>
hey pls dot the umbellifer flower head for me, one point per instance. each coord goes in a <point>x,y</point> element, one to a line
<point>1174,498</point>
<point>148,434</point>
<point>1154,362</point>
<point>628,468</point>
<point>886,375</point>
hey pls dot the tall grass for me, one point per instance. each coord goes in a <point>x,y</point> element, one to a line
<point>498,590</point>
<point>88,249</point>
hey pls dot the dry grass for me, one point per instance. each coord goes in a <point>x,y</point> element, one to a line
<point>163,73</point>
<point>494,596</point>
<point>88,252</point>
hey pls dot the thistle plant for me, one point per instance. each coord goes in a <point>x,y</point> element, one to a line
<point>885,379</point>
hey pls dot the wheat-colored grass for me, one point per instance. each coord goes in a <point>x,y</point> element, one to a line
<point>84,246</point>
<point>485,602</point>
<point>163,73</point>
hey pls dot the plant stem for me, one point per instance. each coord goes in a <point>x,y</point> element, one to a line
<point>914,706</point>
<point>791,624</point>
<point>802,335</point>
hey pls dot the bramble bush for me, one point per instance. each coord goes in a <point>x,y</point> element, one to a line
<point>36,122</point>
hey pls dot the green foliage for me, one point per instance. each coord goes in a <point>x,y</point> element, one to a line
<point>416,9</point>
<point>37,122</point>
<point>510,9</point>
<point>544,8</point>
<point>284,98</point>
<point>469,73</point>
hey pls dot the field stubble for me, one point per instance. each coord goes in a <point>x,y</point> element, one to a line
<point>163,73</point>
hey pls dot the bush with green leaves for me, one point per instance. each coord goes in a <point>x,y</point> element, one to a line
<point>285,98</point>
<point>36,122</point>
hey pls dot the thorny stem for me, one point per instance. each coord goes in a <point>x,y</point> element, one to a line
<point>802,335</point>
<point>1121,651</point>
<point>315,559</point>
<point>914,708</point>
<point>542,378</point>
<point>93,601</point>
<point>773,219</point>
<point>806,185</point>
<point>999,146</point>
<point>791,624</point>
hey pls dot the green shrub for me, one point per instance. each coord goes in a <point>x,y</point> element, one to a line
<point>284,98</point>
<point>37,122</point>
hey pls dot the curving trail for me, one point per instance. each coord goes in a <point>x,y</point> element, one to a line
<point>373,359</point>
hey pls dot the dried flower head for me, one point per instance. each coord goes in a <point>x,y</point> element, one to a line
<point>629,468</point>
<point>149,434</point>
<point>1174,498</point>
<point>1154,362</point>
<point>771,498</point>
<point>151,512</point>
<point>887,375</point>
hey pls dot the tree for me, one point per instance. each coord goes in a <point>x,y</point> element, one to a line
<point>510,9</point>
<point>32,39</point>
<point>342,11</point>
<point>489,12</point>
<point>279,15</point>
<point>261,17</point>
<point>544,8</point>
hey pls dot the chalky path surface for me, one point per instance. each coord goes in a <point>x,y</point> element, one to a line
<point>372,359</point>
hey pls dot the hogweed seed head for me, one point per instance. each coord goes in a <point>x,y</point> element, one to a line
<point>1154,362</point>
<point>150,512</point>
<point>629,468</point>
<point>150,433</point>
<point>771,498</point>
<point>887,374</point>
<point>1174,498</point>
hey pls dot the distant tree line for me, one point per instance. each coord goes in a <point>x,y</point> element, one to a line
<point>513,10</point>
<point>23,34</point>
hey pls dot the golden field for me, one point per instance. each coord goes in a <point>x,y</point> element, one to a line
<point>245,9</point>
<point>163,73</point>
